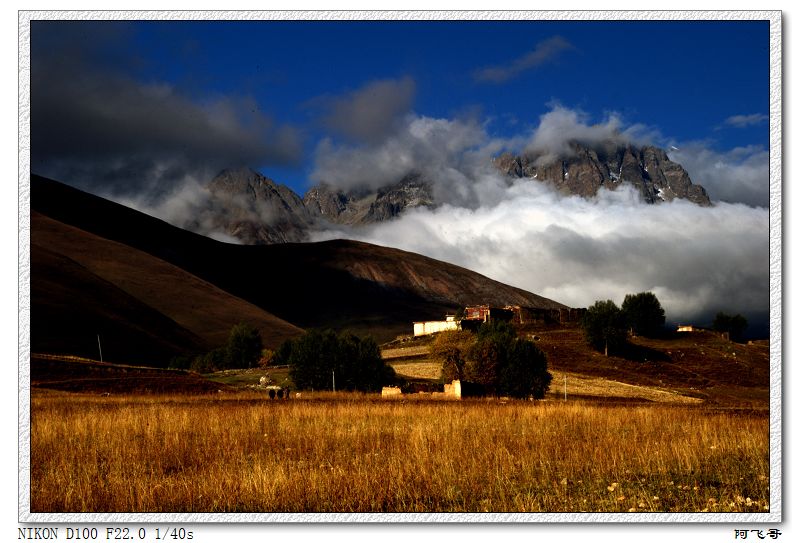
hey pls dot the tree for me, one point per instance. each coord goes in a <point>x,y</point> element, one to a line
<point>734,325</point>
<point>211,361</point>
<point>317,357</point>
<point>244,347</point>
<point>504,364</point>
<point>604,326</point>
<point>451,348</point>
<point>643,314</point>
<point>525,372</point>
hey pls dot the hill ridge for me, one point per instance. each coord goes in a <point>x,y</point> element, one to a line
<point>340,284</point>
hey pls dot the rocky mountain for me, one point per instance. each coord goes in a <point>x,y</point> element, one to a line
<point>338,207</point>
<point>585,170</point>
<point>258,211</point>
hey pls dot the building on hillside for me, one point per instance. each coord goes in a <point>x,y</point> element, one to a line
<point>475,315</point>
<point>486,313</point>
<point>523,315</point>
<point>528,315</point>
<point>687,328</point>
<point>424,328</point>
<point>452,391</point>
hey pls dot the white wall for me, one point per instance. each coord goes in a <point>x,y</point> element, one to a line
<point>431,327</point>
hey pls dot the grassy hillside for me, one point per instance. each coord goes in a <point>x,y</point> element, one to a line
<point>71,306</point>
<point>340,284</point>
<point>198,306</point>
<point>699,367</point>
<point>73,374</point>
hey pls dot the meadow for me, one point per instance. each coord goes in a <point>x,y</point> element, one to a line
<point>352,452</point>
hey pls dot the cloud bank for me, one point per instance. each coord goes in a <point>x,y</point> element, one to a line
<point>446,152</point>
<point>696,260</point>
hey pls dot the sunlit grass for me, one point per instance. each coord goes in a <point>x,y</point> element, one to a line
<point>359,453</point>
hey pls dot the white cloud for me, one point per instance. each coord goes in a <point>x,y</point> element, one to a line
<point>446,152</point>
<point>561,126</point>
<point>741,121</point>
<point>697,260</point>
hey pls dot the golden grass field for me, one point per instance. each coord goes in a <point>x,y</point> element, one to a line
<point>348,452</point>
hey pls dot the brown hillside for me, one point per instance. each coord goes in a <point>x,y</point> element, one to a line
<point>701,368</point>
<point>92,376</point>
<point>70,306</point>
<point>197,306</point>
<point>339,284</point>
<point>701,364</point>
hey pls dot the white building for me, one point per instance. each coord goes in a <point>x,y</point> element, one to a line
<point>425,328</point>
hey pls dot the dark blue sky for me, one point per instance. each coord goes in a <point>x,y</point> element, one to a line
<point>685,78</point>
<point>680,79</point>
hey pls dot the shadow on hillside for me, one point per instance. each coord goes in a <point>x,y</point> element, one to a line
<point>640,353</point>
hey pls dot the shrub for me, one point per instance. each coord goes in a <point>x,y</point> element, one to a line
<point>266,358</point>
<point>211,361</point>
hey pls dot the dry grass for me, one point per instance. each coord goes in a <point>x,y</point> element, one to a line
<point>582,385</point>
<point>405,352</point>
<point>357,453</point>
<point>420,369</point>
<point>577,385</point>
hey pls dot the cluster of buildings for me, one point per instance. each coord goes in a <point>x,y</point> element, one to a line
<point>476,315</point>
<point>452,390</point>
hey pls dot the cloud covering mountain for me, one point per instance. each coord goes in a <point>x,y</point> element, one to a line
<point>697,260</point>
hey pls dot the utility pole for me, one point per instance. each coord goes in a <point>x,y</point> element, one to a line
<point>565,387</point>
<point>333,375</point>
<point>99,347</point>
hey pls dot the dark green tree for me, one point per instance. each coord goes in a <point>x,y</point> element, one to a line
<point>643,314</point>
<point>244,347</point>
<point>318,357</point>
<point>604,326</point>
<point>525,372</point>
<point>503,364</point>
<point>734,325</point>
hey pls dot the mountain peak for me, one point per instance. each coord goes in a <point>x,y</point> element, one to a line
<point>255,209</point>
<point>587,168</point>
